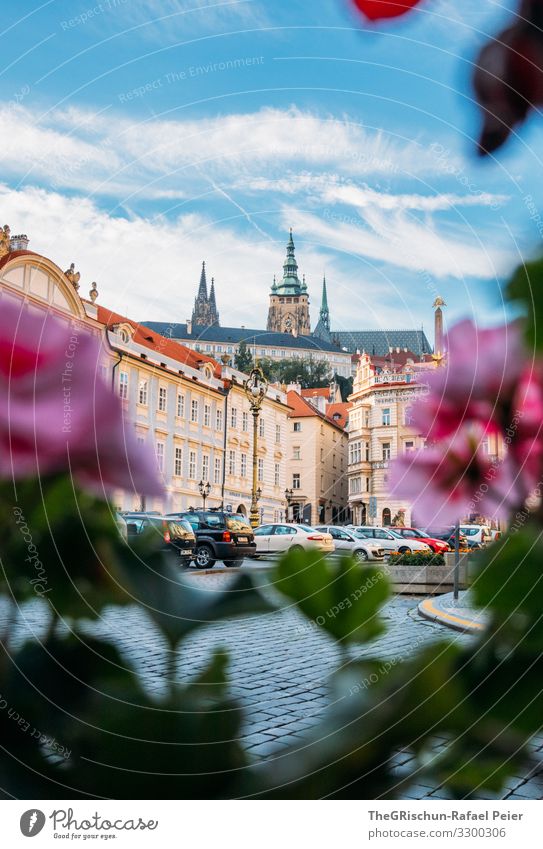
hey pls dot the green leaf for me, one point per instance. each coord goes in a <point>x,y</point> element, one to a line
<point>343,598</point>
<point>526,287</point>
<point>509,583</point>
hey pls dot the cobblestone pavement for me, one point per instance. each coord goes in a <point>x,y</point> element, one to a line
<point>279,669</point>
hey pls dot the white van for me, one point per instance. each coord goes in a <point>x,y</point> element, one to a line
<point>477,534</point>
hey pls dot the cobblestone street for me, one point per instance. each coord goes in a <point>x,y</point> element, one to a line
<point>279,667</point>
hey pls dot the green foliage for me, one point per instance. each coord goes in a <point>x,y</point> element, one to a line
<point>344,599</point>
<point>417,558</point>
<point>309,372</point>
<point>243,359</point>
<point>526,287</point>
<point>345,385</point>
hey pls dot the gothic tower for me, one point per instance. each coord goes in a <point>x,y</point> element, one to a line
<point>289,301</point>
<point>322,329</point>
<point>205,308</point>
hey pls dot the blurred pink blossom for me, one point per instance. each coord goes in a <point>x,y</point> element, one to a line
<point>57,413</point>
<point>448,481</point>
<point>477,383</point>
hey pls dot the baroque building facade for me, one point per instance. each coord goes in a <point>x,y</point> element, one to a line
<point>191,409</point>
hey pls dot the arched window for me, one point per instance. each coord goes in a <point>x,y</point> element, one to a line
<point>387,517</point>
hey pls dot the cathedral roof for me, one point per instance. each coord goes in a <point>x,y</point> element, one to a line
<point>379,342</point>
<point>235,335</point>
<point>290,284</point>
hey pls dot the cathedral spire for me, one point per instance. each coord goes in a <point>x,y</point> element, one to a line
<point>202,289</point>
<point>324,314</point>
<point>213,313</point>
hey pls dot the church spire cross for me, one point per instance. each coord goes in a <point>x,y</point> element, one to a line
<point>202,289</point>
<point>324,315</point>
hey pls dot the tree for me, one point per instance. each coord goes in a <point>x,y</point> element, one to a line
<point>243,359</point>
<point>345,385</point>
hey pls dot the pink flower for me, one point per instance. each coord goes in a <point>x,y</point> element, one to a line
<point>447,482</point>
<point>56,412</point>
<point>478,382</point>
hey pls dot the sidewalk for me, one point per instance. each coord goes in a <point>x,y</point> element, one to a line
<point>458,615</point>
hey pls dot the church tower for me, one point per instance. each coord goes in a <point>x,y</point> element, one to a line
<point>438,327</point>
<point>289,301</point>
<point>322,329</point>
<point>205,308</point>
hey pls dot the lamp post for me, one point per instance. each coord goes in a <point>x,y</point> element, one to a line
<point>288,499</point>
<point>204,488</point>
<point>255,388</point>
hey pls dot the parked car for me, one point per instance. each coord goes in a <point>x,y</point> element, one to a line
<point>177,535</point>
<point>390,540</point>
<point>438,546</point>
<point>275,538</point>
<point>219,536</point>
<point>447,535</point>
<point>346,541</point>
<point>477,535</point>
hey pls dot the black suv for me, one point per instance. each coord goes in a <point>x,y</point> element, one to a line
<point>177,535</point>
<point>219,536</point>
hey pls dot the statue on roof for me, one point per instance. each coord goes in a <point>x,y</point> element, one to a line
<point>4,240</point>
<point>73,276</point>
<point>439,302</point>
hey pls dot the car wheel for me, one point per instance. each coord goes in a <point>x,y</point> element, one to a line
<point>230,563</point>
<point>361,555</point>
<point>296,548</point>
<point>203,557</point>
<point>404,550</point>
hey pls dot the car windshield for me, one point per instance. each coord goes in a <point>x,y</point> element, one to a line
<point>470,532</point>
<point>395,534</point>
<point>416,532</point>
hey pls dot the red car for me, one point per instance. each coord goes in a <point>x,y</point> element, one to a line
<point>437,545</point>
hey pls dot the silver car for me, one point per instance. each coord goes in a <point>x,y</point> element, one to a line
<point>389,539</point>
<point>345,540</point>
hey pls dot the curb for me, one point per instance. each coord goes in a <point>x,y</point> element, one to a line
<point>440,610</point>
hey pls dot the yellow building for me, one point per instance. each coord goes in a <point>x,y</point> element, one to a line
<point>317,461</point>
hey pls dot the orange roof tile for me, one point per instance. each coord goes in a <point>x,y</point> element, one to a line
<point>342,410</point>
<point>318,392</point>
<point>157,343</point>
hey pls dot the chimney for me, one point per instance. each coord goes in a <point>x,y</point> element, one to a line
<point>19,243</point>
<point>189,327</point>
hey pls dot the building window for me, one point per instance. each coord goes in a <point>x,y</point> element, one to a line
<point>192,465</point>
<point>231,462</point>
<point>407,420</point>
<point>194,410</point>
<point>355,485</point>
<point>205,467</point>
<point>322,455</point>
<point>278,433</point>
<point>409,447</point>
<point>355,452</point>
<point>178,463</point>
<point>217,470</point>
<point>218,421</point>
<point>296,454</point>
<point>123,385</point>
<point>296,481</point>
<point>180,406</point>
<point>334,460</point>
<point>368,483</point>
<point>243,465</point>
<point>234,417</point>
<point>260,469</point>
<point>367,452</point>
<point>245,422</point>
<point>385,416</point>
<point>162,399</point>
<point>262,427</point>
<point>297,426</point>
<point>207,415</point>
<point>386,450</point>
<point>366,418</point>
<point>277,474</point>
<point>142,396</point>
<point>160,456</point>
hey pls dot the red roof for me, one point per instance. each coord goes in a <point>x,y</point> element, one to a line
<point>161,345</point>
<point>302,408</point>
<point>341,410</point>
<point>319,392</point>
<point>14,254</point>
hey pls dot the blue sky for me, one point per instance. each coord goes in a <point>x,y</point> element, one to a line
<point>142,136</point>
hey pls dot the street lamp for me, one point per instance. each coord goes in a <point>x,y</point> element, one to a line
<point>255,388</point>
<point>204,488</point>
<point>288,499</point>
